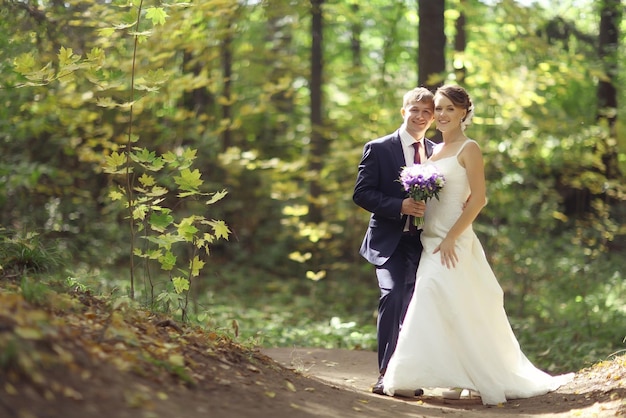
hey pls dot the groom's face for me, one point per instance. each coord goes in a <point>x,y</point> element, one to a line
<point>418,116</point>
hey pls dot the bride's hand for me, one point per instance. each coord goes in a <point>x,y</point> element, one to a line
<point>447,252</point>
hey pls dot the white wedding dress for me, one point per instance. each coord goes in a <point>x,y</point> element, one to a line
<point>456,332</point>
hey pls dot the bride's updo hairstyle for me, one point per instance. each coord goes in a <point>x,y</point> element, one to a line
<point>459,98</point>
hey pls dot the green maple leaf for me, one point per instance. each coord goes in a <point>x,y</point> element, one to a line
<point>220,228</point>
<point>143,155</point>
<point>24,63</point>
<point>188,180</point>
<point>216,197</point>
<point>180,284</point>
<point>168,261</point>
<point>157,15</point>
<point>195,266</point>
<point>190,154</point>
<point>160,221</point>
<point>187,230</point>
<point>114,163</point>
<point>157,191</point>
<point>164,240</point>
<point>147,180</point>
<point>116,195</point>
<point>67,57</point>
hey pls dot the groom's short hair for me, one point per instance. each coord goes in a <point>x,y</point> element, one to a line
<point>418,94</point>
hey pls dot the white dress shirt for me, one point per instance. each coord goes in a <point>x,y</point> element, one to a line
<point>408,149</point>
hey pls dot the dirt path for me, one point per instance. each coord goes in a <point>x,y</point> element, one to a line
<point>354,371</point>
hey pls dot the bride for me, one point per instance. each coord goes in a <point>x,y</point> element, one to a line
<point>456,333</point>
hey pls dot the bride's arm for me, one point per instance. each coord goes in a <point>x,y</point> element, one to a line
<point>472,159</point>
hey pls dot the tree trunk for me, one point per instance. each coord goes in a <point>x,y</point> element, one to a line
<point>431,61</point>
<point>610,16</point>
<point>355,39</point>
<point>318,142</point>
<point>460,42</point>
<point>280,39</point>
<point>227,72</point>
<point>610,19</point>
<point>199,100</point>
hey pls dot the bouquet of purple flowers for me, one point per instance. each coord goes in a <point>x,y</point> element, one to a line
<point>422,182</point>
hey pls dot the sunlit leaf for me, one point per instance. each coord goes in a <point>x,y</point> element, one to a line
<point>220,228</point>
<point>299,257</point>
<point>311,275</point>
<point>66,57</point>
<point>146,180</point>
<point>160,220</point>
<point>24,63</point>
<point>168,261</point>
<point>195,266</point>
<point>180,284</point>
<point>290,386</point>
<point>217,196</point>
<point>186,229</point>
<point>156,14</point>
<point>188,180</point>
<point>115,195</point>
<point>29,333</point>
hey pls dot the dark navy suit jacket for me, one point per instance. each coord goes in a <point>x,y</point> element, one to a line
<point>378,191</point>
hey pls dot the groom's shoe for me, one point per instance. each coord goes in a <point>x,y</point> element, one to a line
<point>378,388</point>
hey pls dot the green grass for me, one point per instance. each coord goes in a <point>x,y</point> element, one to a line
<point>568,320</point>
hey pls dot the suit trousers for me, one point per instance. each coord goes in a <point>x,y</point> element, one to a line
<point>396,280</point>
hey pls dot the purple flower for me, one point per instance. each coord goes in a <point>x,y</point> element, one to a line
<point>422,182</point>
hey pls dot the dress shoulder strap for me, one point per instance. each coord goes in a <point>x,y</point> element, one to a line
<point>467,141</point>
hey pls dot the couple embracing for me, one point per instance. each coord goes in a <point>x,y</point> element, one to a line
<point>441,319</point>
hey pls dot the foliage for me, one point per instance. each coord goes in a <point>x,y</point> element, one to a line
<point>63,314</point>
<point>556,205</point>
<point>139,362</point>
<point>144,201</point>
<point>275,327</point>
<point>27,253</point>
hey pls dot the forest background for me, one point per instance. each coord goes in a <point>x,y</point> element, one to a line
<point>199,157</point>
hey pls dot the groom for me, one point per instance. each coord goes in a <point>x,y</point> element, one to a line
<point>389,243</point>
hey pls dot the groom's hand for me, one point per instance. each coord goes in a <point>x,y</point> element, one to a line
<point>413,207</point>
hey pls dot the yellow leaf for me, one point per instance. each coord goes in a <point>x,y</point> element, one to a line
<point>115,195</point>
<point>316,277</point>
<point>66,56</point>
<point>29,333</point>
<point>196,265</point>
<point>220,228</point>
<point>290,386</point>
<point>68,392</point>
<point>270,394</point>
<point>106,32</point>
<point>217,196</point>
<point>180,284</point>
<point>299,257</point>
<point>147,180</point>
<point>177,360</point>
<point>10,389</point>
